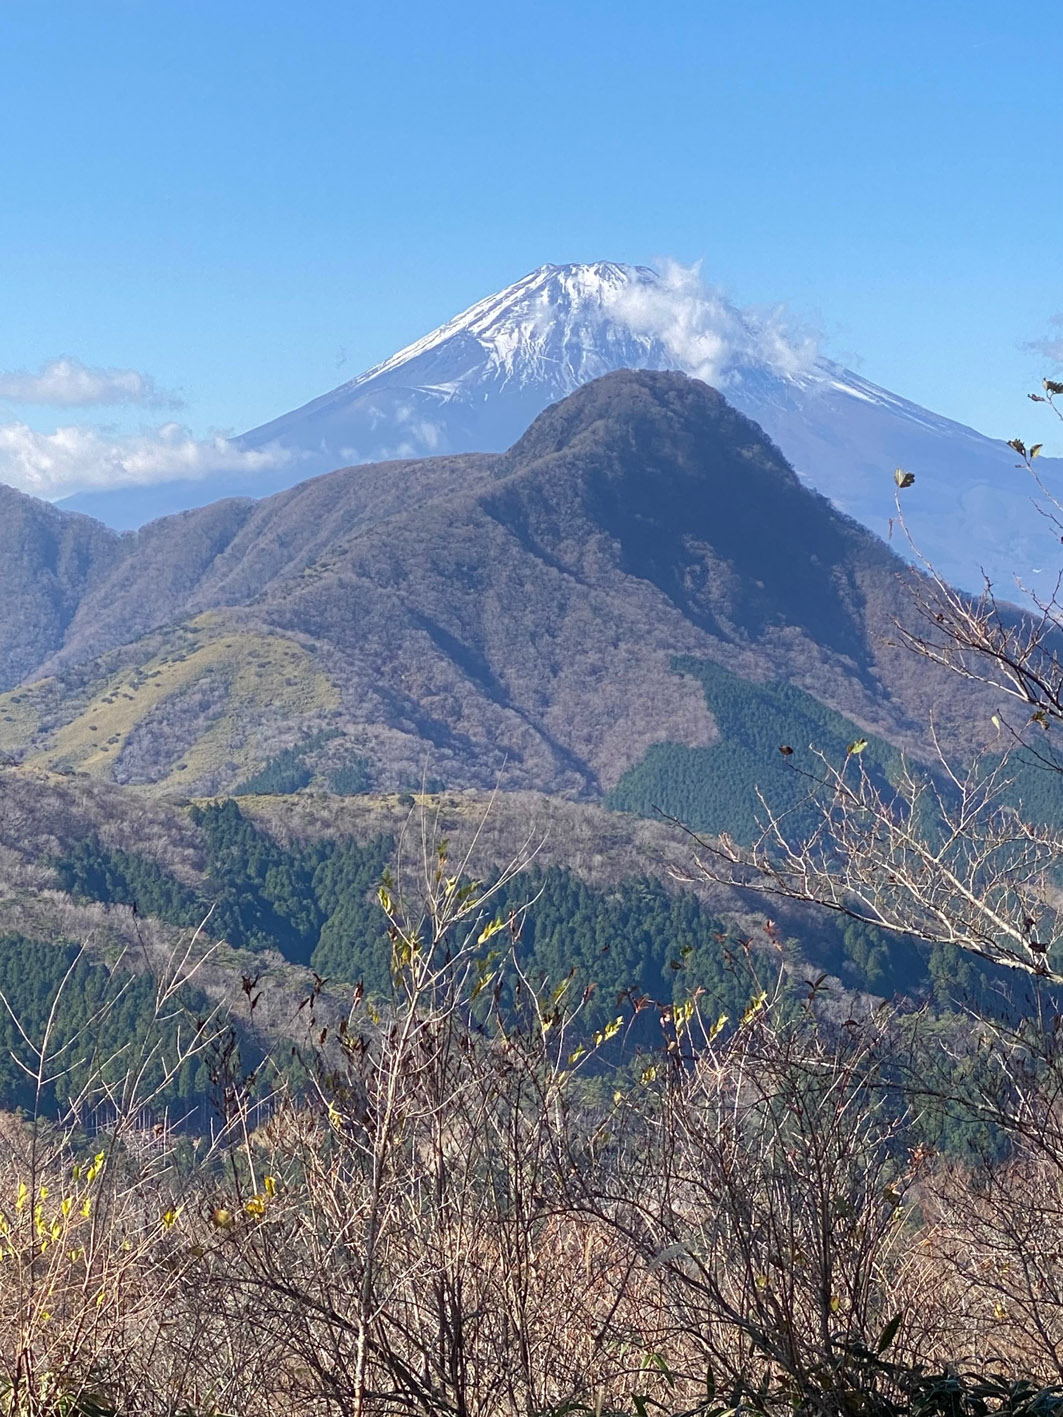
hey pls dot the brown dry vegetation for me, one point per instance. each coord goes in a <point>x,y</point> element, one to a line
<point>466,1210</point>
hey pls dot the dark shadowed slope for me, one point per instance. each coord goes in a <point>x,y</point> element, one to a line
<point>50,561</point>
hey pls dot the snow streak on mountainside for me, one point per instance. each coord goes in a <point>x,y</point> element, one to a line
<point>478,381</point>
<point>475,384</point>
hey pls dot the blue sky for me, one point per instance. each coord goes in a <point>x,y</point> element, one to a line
<point>249,203</point>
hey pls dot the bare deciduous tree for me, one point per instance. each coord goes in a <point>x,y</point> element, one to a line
<point>939,852</point>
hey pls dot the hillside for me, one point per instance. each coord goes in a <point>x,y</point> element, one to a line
<point>278,890</point>
<point>51,562</point>
<point>288,886</point>
<point>512,618</point>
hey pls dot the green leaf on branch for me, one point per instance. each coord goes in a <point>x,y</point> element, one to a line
<point>888,1334</point>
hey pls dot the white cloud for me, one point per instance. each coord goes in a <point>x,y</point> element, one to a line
<point>79,458</point>
<point>705,334</point>
<point>67,383</point>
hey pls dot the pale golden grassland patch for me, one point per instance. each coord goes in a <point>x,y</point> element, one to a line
<point>264,676</point>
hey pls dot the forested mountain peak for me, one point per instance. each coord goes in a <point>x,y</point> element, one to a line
<point>515,615</point>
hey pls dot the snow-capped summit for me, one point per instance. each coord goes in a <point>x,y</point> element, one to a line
<point>476,382</point>
<point>554,326</point>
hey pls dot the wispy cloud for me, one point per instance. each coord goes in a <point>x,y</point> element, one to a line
<point>79,458</point>
<point>68,383</point>
<point>1050,348</point>
<point>706,334</point>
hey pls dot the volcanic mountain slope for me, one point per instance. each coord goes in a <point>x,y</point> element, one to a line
<point>507,618</point>
<point>477,381</point>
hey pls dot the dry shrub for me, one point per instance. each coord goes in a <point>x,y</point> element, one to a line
<point>467,1208</point>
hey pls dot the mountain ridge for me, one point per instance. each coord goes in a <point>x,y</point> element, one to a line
<point>49,561</point>
<point>513,615</point>
<point>477,381</point>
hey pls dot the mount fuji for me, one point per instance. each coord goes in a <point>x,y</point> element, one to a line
<point>475,383</point>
